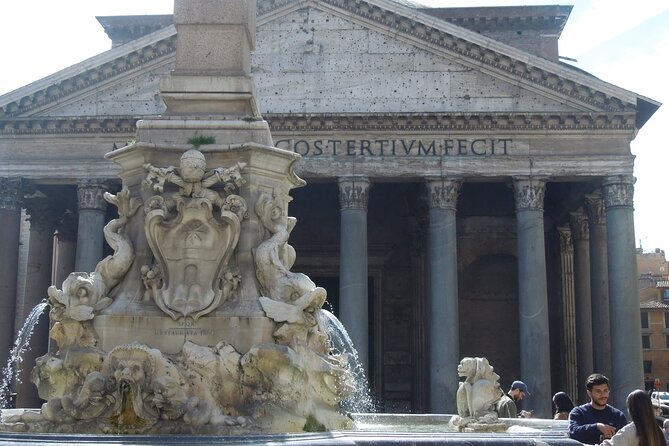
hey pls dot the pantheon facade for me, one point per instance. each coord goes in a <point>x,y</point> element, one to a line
<point>469,194</point>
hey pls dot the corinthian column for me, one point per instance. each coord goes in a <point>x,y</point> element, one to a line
<point>579,232</point>
<point>623,282</point>
<point>444,349</point>
<point>10,223</point>
<point>65,250</point>
<point>92,207</point>
<point>353,299</point>
<point>43,218</point>
<point>532,293</point>
<point>570,381</point>
<point>599,281</point>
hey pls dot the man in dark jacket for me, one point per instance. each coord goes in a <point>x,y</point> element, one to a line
<point>506,406</point>
<point>595,421</point>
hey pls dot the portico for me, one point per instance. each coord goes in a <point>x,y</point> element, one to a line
<point>490,219</point>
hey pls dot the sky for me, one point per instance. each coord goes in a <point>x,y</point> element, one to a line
<point>623,42</point>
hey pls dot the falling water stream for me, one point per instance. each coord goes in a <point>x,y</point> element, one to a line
<point>361,400</point>
<point>21,344</point>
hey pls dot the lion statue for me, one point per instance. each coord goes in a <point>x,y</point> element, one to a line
<point>478,393</point>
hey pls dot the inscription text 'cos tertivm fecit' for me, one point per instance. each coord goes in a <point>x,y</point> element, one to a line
<point>398,147</point>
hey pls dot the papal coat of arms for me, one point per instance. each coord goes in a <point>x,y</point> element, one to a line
<point>192,233</point>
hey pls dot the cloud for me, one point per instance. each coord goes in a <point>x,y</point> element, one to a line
<point>594,22</point>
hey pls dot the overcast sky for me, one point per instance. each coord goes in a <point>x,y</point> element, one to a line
<point>622,42</point>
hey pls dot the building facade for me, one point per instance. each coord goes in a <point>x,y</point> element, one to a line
<point>654,298</point>
<point>468,194</point>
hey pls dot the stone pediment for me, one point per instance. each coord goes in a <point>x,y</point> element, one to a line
<point>302,44</point>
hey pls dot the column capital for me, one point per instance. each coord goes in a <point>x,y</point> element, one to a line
<point>618,191</point>
<point>443,192</point>
<point>566,241</point>
<point>353,192</point>
<point>594,206</point>
<point>91,194</point>
<point>11,193</point>
<point>529,193</point>
<point>579,226</point>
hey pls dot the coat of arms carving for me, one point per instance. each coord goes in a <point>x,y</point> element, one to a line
<point>192,233</point>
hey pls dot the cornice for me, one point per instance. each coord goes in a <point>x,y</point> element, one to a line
<point>69,125</point>
<point>93,76</point>
<point>451,121</point>
<point>347,122</point>
<point>548,18</point>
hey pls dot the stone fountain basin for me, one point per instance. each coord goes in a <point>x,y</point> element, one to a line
<point>373,429</point>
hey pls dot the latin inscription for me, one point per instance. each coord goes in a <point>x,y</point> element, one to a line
<point>398,147</point>
<point>184,328</point>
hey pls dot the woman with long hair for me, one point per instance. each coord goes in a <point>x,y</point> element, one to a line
<point>643,430</point>
<point>562,405</point>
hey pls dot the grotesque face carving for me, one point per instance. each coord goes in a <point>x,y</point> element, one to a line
<point>467,368</point>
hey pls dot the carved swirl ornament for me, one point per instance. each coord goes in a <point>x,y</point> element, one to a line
<point>444,193</point>
<point>353,193</point>
<point>618,191</point>
<point>529,195</point>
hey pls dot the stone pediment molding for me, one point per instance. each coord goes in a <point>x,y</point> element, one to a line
<point>89,73</point>
<point>367,122</point>
<point>69,125</point>
<point>473,49</point>
<point>451,121</point>
<point>441,37</point>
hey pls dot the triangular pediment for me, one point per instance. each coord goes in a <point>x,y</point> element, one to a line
<point>315,60</point>
<point>339,56</point>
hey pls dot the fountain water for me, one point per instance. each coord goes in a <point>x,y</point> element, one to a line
<point>21,344</point>
<point>361,399</point>
<point>196,323</point>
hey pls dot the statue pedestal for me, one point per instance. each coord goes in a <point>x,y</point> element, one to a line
<point>169,336</point>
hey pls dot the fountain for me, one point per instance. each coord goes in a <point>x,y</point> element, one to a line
<point>195,329</point>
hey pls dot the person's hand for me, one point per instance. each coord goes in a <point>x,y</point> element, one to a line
<point>525,414</point>
<point>606,430</point>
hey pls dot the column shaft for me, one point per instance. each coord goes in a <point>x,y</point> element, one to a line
<point>10,223</point>
<point>533,294</point>
<point>90,238</point>
<point>444,321</point>
<point>584,367</point>
<point>626,353</point>
<point>599,280</point>
<point>353,291</point>
<point>570,381</point>
<point>38,279</point>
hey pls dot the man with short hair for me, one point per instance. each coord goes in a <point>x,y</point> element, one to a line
<point>593,422</point>
<point>506,405</point>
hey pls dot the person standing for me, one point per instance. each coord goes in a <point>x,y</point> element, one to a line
<point>665,425</point>
<point>643,430</point>
<point>506,406</point>
<point>595,421</point>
